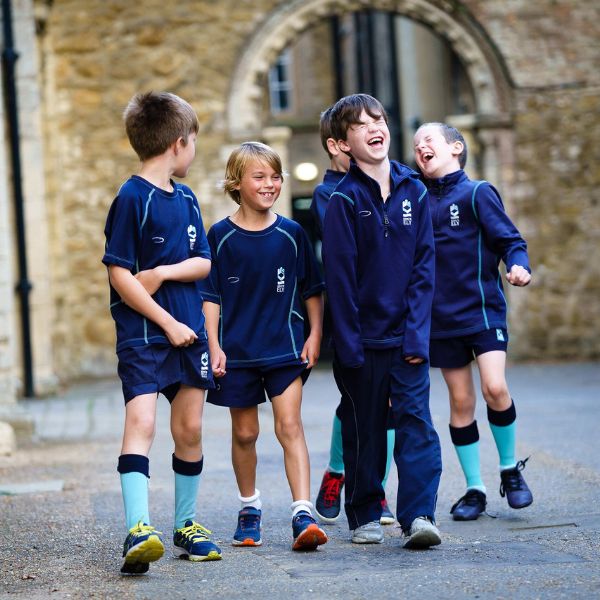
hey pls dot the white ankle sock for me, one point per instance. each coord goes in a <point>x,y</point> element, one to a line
<point>301,505</point>
<point>253,501</point>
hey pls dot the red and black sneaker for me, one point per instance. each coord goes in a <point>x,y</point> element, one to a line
<point>328,502</point>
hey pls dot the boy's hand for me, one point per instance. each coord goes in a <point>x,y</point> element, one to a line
<point>179,334</point>
<point>311,350</point>
<point>413,360</point>
<point>218,360</point>
<point>518,276</point>
<point>151,279</point>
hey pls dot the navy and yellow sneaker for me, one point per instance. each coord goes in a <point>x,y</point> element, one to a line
<point>328,501</point>
<point>387,516</point>
<point>142,546</point>
<point>307,534</point>
<point>513,486</point>
<point>248,527</point>
<point>192,542</point>
<point>470,506</point>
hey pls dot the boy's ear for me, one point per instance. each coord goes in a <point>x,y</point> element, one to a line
<point>177,145</point>
<point>457,147</point>
<point>343,146</point>
<point>332,147</point>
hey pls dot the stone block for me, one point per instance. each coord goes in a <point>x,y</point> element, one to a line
<point>8,441</point>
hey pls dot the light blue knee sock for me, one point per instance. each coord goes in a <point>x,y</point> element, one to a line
<point>468,456</point>
<point>391,440</point>
<point>186,493</point>
<point>134,487</point>
<point>504,428</point>
<point>336,454</point>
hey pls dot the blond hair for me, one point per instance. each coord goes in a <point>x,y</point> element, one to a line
<point>239,160</point>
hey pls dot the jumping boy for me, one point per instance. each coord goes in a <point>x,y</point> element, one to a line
<point>328,501</point>
<point>379,262</point>
<point>156,250</point>
<point>264,275</point>
<point>472,234</point>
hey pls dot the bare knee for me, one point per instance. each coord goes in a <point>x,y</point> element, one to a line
<point>188,433</point>
<point>462,408</point>
<point>496,394</point>
<point>142,425</point>
<point>288,430</point>
<point>245,436</point>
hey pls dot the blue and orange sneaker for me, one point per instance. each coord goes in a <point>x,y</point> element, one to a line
<point>192,542</point>
<point>248,527</point>
<point>142,546</point>
<point>307,534</point>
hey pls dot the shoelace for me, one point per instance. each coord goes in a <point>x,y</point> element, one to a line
<point>195,532</point>
<point>143,528</point>
<point>471,498</point>
<point>512,480</point>
<point>249,522</point>
<point>332,487</point>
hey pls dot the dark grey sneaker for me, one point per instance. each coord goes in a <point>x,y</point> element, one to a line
<point>513,486</point>
<point>369,533</point>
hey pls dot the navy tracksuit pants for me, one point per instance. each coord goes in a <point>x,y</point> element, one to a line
<point>366,393</point>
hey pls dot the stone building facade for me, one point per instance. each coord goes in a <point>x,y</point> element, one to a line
<point>536,88</point>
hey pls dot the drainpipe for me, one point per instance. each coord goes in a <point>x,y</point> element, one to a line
<point>23,288</point>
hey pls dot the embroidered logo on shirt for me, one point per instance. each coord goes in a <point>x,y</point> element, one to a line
<point>191,231</point>
<point>280,279</point>
<point>500,335</point>
<point>406,212</point>
<point>158,240</point>
<point>454,216</point>
<point>233,279</point>
<point>365,213</point>
<point>204,365</point>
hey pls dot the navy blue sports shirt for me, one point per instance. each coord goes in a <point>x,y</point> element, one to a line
<point>147,227</point>
<point>321,195</point>
<point>379,265</point>
<point>260,279</point>
<point>472,234</point>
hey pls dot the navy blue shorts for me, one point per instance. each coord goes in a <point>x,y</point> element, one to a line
<point>244,388</point>
<point>454,353</point>
<point>157,368</point>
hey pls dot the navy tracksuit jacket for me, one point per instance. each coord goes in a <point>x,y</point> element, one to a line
<point>379,273</point>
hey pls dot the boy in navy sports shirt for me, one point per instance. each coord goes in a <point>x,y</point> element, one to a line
<point>472,234</point>
<point>156,250</point>
<point>264,275</point>
<point>379,269</point>
<point>328,501</point>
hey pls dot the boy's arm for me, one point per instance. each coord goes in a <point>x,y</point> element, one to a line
<point>133,293</point>
<point>420,289</point>
<point>340,258</point>
<point>212,312</point>
<point>312,346</point>
<point>501,235</point>
<point>191,269</point>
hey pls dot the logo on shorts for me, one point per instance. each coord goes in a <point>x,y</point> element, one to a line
<point>280,280</point>
<point>454,216</point>
<point>500,335</point>
<point>191,231</point>
<point>406,212</point>
<point>204,365</point>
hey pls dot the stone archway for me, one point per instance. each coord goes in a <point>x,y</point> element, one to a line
<point>483,66</point>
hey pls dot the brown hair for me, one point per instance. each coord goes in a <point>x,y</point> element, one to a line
<point>325,128</point>
<point>155,120</point>
<point>347,111</point>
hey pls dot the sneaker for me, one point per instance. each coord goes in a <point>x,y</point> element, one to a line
<point>307,534</point>
<point>369,533</point>
<point>142,546</point>
<point>513,486</point>
<point>328,501</point>
<point>469,507</point>
<point>387,517</point>
<point>422,534</point>
<point>248,528</point>
<point>192,542</point>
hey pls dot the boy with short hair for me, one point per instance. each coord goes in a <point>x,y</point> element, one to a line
<point>264,278</point>
<point>472,234</point>
<point>379,269</point>
<point>156,250</point>
<point>327,505</point>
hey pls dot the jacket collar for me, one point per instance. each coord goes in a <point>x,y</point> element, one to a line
<point>446,182</point>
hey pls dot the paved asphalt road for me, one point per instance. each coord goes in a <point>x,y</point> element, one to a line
<point>62,539</point>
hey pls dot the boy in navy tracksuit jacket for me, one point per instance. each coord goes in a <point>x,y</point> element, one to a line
<point>379,271</point>
<point>328,501</point>
<point>472,234</point>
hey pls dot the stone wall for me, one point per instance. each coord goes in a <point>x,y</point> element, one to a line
<point>97,53</point>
